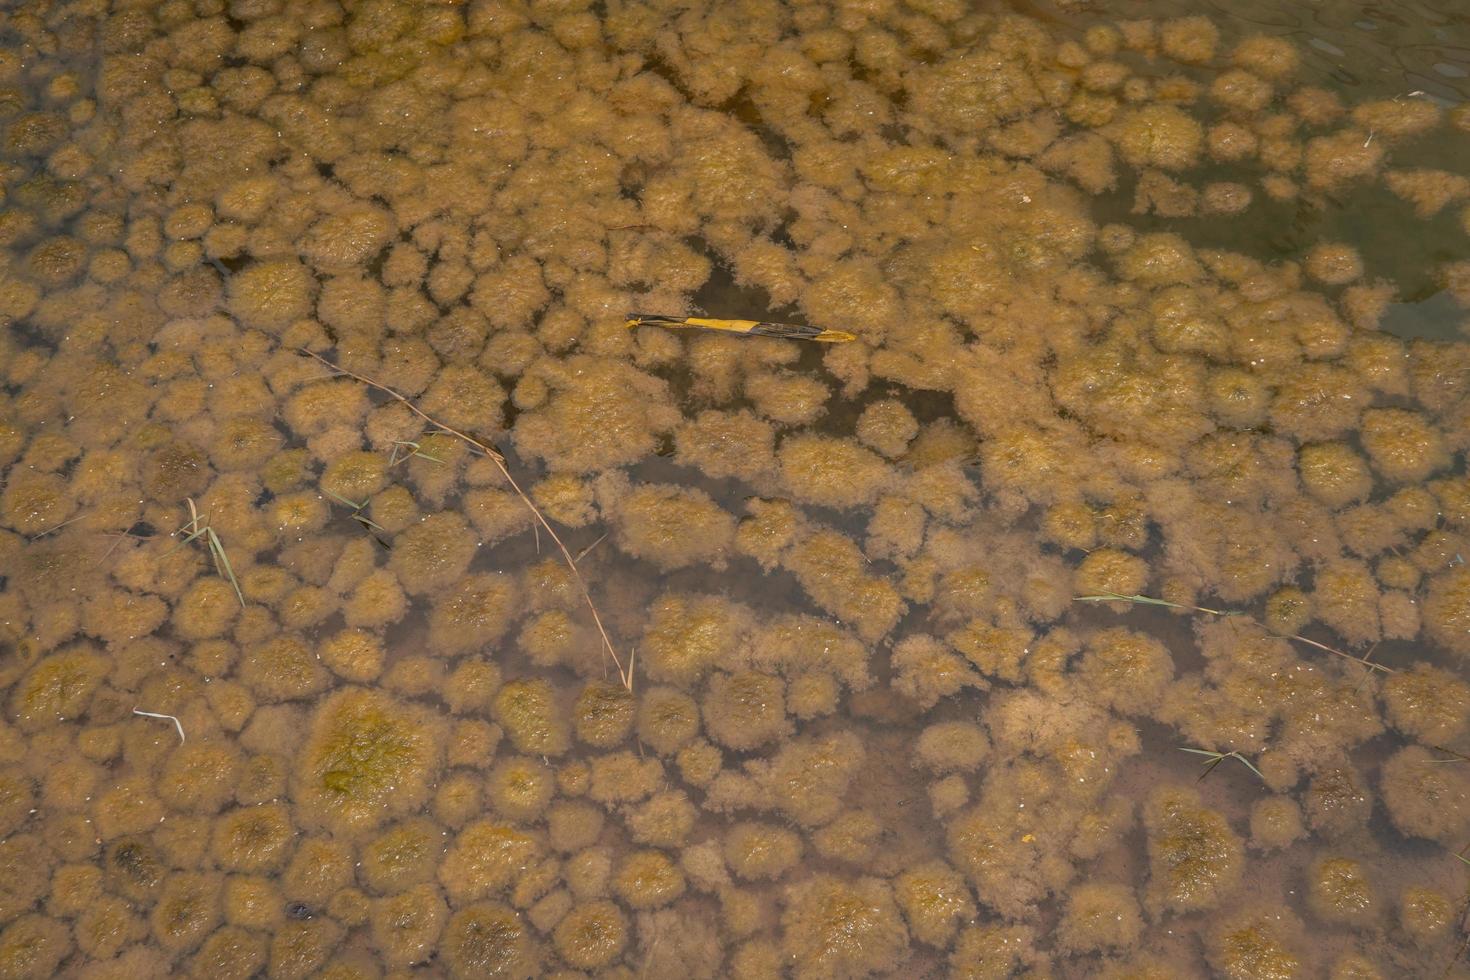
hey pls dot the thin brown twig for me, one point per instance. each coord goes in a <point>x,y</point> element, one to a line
<point>624,675</point>
<point>58,527</point>
<point>585,551</point>
<point>118,539</point>
<point>1464,922</point>
<point>1145,600</point>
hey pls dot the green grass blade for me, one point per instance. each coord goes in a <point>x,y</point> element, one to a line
<point>217,548</point>
<point>343,500</point>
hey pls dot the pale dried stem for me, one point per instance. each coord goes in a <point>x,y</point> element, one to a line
<point>607,645</point>
<point>1144,600</point>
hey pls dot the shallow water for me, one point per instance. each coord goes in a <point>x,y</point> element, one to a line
<point>776,659</point>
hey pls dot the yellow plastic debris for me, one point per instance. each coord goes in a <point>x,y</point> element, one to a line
<point>760,328</point>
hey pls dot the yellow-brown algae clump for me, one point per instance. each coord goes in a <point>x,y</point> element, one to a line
<point>591,935</point>
<point>1334,263</point>
<point>486,939</point>
<point>253,902</point>
<point>253,839</point>
<point>486,858</point>
<point>376,601</point>
<point>188,909</point>
<point>992,951</point>
<point>403,856</point>
<point>472,686</point>
<point>787,398</point>
<point>831,472</point>
<point>106,926</point>
<point>35,502</point>
<point>282,669</point>
<point>794,644</point>
<point>768,532</point>
<point>1318,401</point>
<point>271,295</point>
<point>1276,822</point>
<point>1426,799</point>
<point>1396,118</point>
<point>1124,670</point>
<point>529,710</point>
<point>808,777</point>
<point>433,553</point>
<point>648,880</point>
<point>58,688</point>
<point>603,714</point>
<point>355,476</point>
<point>1190,40</point>
<point>564,498</point>
<point>1255,944</point>
<point>746,709</point>
<point>1100,915</point>
<point>671,526</point>
<point>842,927</point>
<point>1428,703</point>
<point>951,746</point>
<point>1346,599</point>
<point>24,876</point>
<point>1332,162</point>
<point>342,240</point>
<point>33,946</point>
<point>622,777</point>
<point>207,609</point>
<point>1112,570</point>
<point>1338,803</point>
<point>406,927</point>
<point>458,799</point>
<point>687,636</point>
<point>230,953</point>
<point>668,719</point>
<point>888,427</point>
<point>1162,136</point>
<point>812,695</point>
<point>600,414</point>
<point>116,616</point>
<point>1340,892</point>
<point>1425,913</point>
<point>1194,857</point>
<point>1402,444</point>
<point>520,788</point>
<point>573,825</point>
<point>474,614</point>
<point>353,655</point>
<point>663,820</point>
<point>834,573</point>
<point>499,514</point>
<point>761,851</point>
<point>928,671</point>
<point>465,397</point>
<point>896,529</point>
<point>300,949</point>
<point>320,866</point>
<point>1447,610</point>
<point>725,444</point>
<point>1333,473</point>
<point>367,758</point>
<point>935,900</point>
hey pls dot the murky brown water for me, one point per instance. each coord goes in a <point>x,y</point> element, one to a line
<point>777,659</point>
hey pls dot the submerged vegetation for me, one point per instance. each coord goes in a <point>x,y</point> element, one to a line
<point>547,646</point>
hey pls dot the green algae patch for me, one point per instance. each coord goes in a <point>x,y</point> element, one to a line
<point>369,757</point>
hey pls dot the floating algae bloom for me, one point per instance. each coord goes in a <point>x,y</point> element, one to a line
<point>530,640</point>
